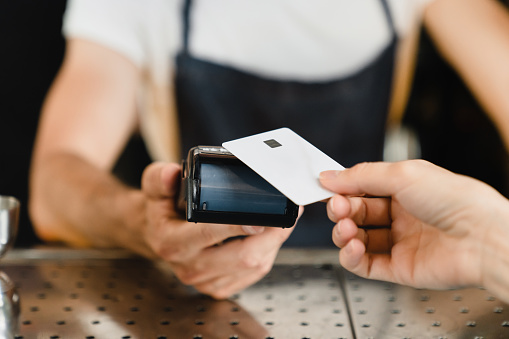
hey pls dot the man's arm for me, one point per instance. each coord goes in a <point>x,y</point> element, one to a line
<point>473,35</point>
<point>87,118</point>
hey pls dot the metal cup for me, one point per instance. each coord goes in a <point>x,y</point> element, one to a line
<point>9,217</point>
<point>9,299</point>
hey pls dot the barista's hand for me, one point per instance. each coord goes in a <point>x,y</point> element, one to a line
<point>191,249</point>
<point>430,228</point>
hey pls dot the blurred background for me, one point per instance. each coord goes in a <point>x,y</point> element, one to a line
<point>452,129</point>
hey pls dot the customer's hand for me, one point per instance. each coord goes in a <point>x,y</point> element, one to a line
<point>196,252</point>
<point>428,227</point>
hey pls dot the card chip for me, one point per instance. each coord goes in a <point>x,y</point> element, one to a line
<point>272,143</point>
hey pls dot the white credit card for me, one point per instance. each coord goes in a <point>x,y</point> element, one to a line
<point>287,161</point>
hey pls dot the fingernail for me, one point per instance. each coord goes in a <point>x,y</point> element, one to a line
<point>252,230</point>
<point>328,175</point>
<point>332,216</point>
<point>337,229</point>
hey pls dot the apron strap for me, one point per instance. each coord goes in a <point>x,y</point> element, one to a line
<point>186,13</point>
<point>390,20</point>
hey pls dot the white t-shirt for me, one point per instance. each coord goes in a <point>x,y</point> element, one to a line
<point>301,40</point>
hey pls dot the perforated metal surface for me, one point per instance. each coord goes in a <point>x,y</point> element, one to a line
<point>87,294</point>
<point>134,298</point>
<point>383,310</point>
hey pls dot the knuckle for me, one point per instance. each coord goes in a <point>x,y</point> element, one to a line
<point>192,272</point>
<point>249,261</point>
<point>362,166</point>
<point>172,254</point>
<point>255,264</point>
<point>361,169</point>
<point>357,210</point>
<point>422,163</point>
<point>187,278</point>
<point>363,211</point>
<point>208,234</point>
<point>408,169</point>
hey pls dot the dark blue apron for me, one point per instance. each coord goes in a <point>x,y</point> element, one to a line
<point>345,118</point>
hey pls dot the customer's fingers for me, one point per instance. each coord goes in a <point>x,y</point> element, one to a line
<point>375,240</point>
<point>338,207</point>
<point>370,211</point>
<point>376,179</point>
<point>354,258</point>
<point>344,231</point>
<point>363,210</point>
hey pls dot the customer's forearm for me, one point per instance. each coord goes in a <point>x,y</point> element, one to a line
<point>75,202</point>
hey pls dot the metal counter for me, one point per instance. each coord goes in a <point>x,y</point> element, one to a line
<point>111,294</point>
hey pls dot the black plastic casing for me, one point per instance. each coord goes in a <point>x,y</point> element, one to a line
<point>190,190</point>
